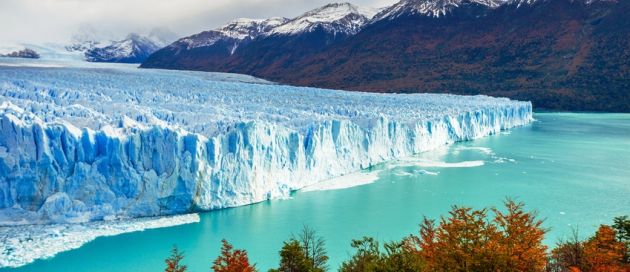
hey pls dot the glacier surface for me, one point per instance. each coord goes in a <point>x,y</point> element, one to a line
<point>85,144</point>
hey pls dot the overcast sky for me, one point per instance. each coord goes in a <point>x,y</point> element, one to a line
<point>38,21</point>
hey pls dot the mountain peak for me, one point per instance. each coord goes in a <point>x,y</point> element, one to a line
<point>243,28</point>
<point>431,8</point>
<point>335,17</point>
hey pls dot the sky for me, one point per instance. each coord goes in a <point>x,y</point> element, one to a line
<point>41,21</point>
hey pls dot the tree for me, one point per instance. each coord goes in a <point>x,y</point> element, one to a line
<point>367,257</point>
<point>293,258</point>
<point>314,248</point>
<point>603,252</point>
<point>568,255</point>
<point>399,258</point>
<point>232,260</point>
<point>173,263</point>
<point>521,239</point>
<point>467,241</point>
<point>304,252</point>
<point>622,226</point>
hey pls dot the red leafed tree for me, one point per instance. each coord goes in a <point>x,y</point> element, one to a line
<point>464,241</point>
<point>467,240</point>
<point>604,253</point>
<point>521,239</point>
<point>173,263</point>
<point>232,260</point>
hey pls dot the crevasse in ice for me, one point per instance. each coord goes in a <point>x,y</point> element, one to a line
<point>85,144</point>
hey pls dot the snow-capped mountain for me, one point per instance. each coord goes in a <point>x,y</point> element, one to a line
<point>343,18</point>
<point>557,53</point>
<point>134,48</point>
<point>431,8</point>
<point>233,34</point>
<point>241,38</point>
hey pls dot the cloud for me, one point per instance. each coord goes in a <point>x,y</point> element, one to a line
<point>39,21</point>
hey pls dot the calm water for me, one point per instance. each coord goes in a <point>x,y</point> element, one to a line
<point>573,168</point>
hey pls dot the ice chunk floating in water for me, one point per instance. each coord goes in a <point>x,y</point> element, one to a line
<point>24,244</point>
<point>83,144</point>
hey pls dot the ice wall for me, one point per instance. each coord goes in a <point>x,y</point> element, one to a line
<point>80,145</point>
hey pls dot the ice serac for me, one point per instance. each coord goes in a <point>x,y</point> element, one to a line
<point>80,145</point>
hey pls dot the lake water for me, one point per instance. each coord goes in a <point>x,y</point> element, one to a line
<point>574,169</point>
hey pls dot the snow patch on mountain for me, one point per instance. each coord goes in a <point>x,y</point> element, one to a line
<point>430,8</point>
<point>334,18</point>
<point>235,32</point>
<point>134,48</point>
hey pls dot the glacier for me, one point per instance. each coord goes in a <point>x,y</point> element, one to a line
<point>80,144</point>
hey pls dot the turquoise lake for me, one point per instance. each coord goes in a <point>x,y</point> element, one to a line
<point>574,169</point>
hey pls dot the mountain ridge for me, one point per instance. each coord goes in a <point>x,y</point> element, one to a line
<point>560,54</point>
<point>305,34</point>
<point>134,48</point>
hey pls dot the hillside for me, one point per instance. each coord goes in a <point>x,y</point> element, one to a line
<point>559,54</point>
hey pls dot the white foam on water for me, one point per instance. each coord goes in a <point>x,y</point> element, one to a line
<point>484,150</point>
<point>503,160</point>
<point>402,173</point>
<point>493,157</point>
<point>430,173</point>
<point>21,245</point>
<point>437,164</point>
<point>344,182</point>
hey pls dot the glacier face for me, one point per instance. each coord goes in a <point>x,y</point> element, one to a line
<point>85,144</point>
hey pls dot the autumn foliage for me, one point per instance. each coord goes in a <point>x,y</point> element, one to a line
<point>468,241</point>
<point>232,260</point>
<point>521,237</point>
<point>491,239</point>
<point>173,263</point>
<point>601,253</point>
<point>604,253</point>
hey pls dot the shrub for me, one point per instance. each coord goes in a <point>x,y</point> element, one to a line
<point>232,260</point>
<point>173,263</point>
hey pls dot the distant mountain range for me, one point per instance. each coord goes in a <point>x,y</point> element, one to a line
<point>266,41</point>
<point>26,53</point>
<point>135,48</point>
<point>560,54</point>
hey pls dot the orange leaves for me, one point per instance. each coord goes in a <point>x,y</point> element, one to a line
<point>521,240</point>
<point>604,253</point>
<point>467,241</point>
<point>173,263</point>
<point>232,260</point>
<point>498,240</point>
<point>601,253</point>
